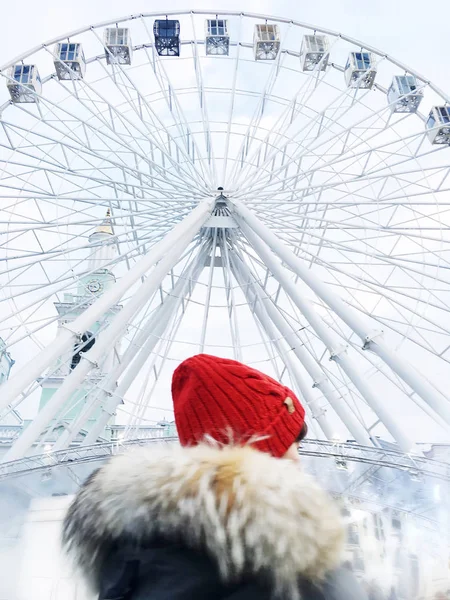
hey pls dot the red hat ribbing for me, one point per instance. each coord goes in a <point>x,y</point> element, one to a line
<point>218,397</point>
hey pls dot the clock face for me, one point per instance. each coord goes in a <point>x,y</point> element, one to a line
<point>94,286</point>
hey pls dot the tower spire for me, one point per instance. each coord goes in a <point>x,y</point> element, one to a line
<point>102,242</point>
<point>106,225</point>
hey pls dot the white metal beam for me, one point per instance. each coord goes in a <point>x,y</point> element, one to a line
<point>337,351</point>
<point>106,395</point>
<point>103,345</point>
<point>149,336</point>
<point>67,337</point>
<point>264,314</point>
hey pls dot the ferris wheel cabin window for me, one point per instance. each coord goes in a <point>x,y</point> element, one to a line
<point>69,51</point>
<point>69,61</point>
<point>266,41</point>
<point>22,73</point>
<point>118,47</point>
<point>24,83</point>
<point>438,125</point>
<point>217,27</point>
<point>167,37</point>
<point>362,60</point>
<point>404,94</point>
<point>360,70</point>
<point>217,40</point>
<point>118,36</point>
<point>314,52</point>
<point>444,112</point>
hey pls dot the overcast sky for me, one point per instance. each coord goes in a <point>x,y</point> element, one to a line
<point>412,31</point>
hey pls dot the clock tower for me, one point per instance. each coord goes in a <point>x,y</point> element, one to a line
<point>92,284</point>
<point>99,277</point>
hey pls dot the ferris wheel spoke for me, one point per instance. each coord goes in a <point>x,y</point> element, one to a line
<point>231,107</point>
<point>280,145</point>
<point>391,325</point>
<point>393,378</point>
<point>386,169</point>
<point>331,375</point>
<point>287,118</point>
<point>351,150</point>
<point>361,277</point>
<point>148,334</point>
<point>49,225</point>
<point>383,291</point>
<point>418,382</point>
<point>165,218</point>
<point>188,287</point>
<point>340,223</point>
<point>304,224</point>
<point>257,116</point>
<point>342,157</point>
<point>324,126</point>
<point>33,189</point>
<point>84,155</point>
<point>267,330</point>
<point>67,283</point>
<point>203,101</point>
<point>164,345</point>
<point>230,296</point>
<point>404,261</point>
<point>83,150</point>
<point>355,194</point>
<point>96,113</point>
<point>68,276</point>
<point>126,86</point>
<point>24,315</point>
<point>337,327</point>
<point>183,166</point>
<point>261,313</point>
<point>330,392</point>
<point>389,294</point>
<point>180,120</point>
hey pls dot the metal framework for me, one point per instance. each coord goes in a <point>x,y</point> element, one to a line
<point>377,457</point>
<point>257,209</point>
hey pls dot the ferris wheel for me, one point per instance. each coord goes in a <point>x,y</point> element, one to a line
<point>235,184</point>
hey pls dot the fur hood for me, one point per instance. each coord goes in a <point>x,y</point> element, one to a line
<point>250,512</point>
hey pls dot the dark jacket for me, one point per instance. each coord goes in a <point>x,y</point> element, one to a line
<point>206,523</point>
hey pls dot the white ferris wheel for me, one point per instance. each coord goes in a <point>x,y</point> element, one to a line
<point>234,184</point>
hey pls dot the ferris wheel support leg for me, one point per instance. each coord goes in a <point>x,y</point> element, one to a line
<point>106,340</point>
<point>337,351</point>
<point>67,337</point>
<point>153,333</point>
<point>251,294</point>
<point>417,382</point>
<point>316,373</point>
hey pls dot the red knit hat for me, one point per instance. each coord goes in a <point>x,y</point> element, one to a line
<point>218,397</point>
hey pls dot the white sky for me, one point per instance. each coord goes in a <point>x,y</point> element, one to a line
<point>410,30</point>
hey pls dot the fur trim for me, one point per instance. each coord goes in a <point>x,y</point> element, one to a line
<point>250,512</point>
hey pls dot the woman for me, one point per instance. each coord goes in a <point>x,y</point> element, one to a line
<point>220,518</point>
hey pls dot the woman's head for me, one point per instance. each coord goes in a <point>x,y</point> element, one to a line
<point>230,402</point>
